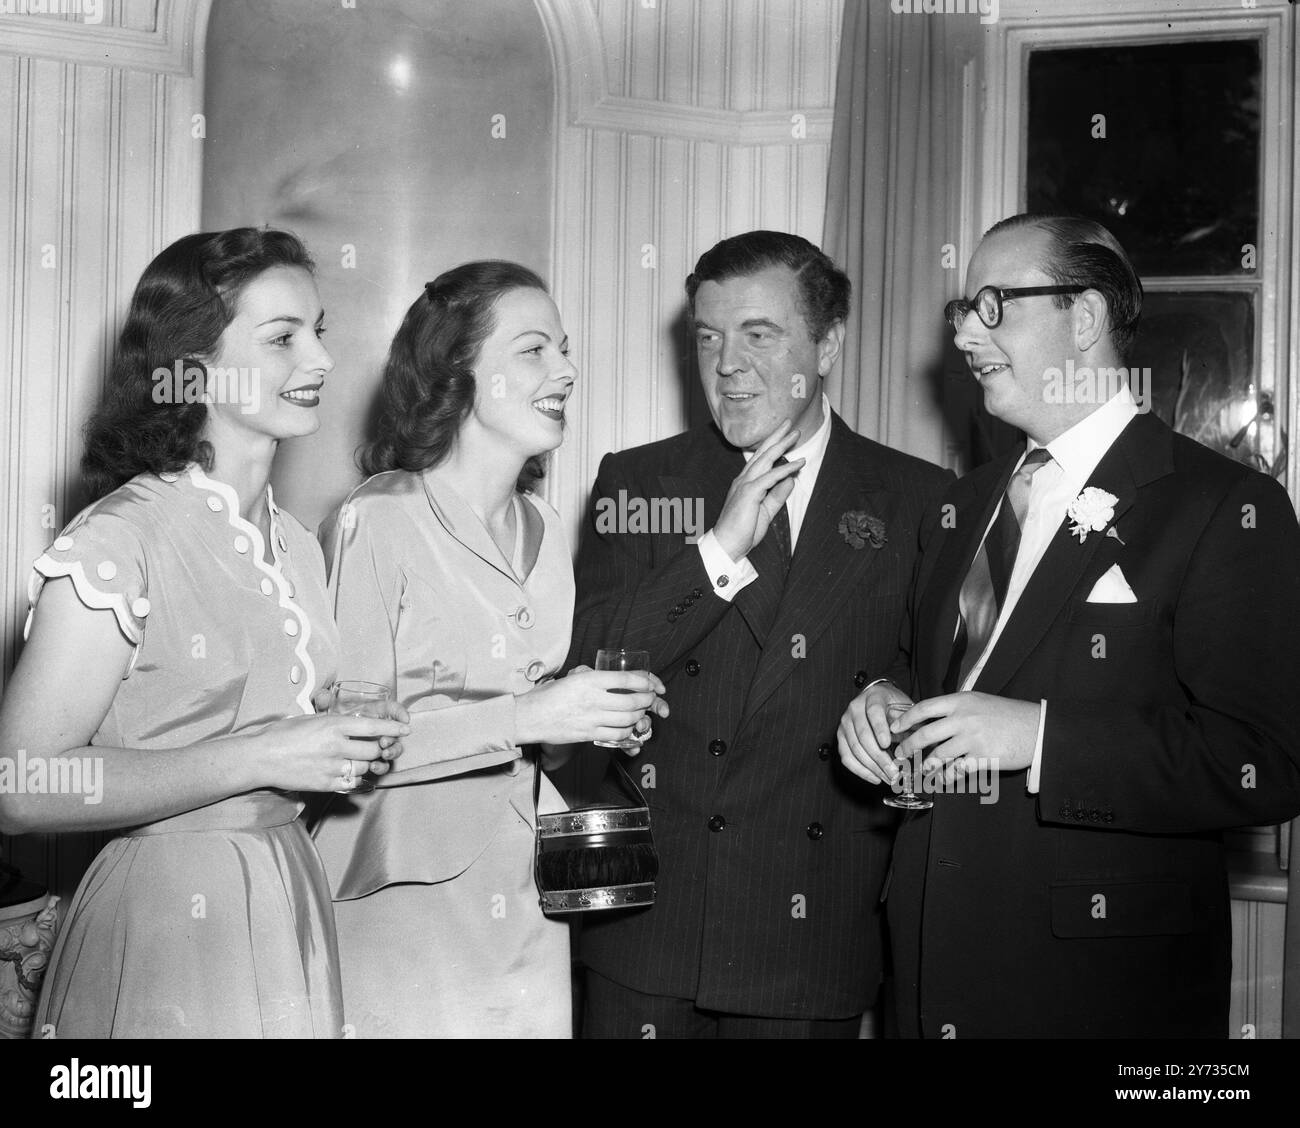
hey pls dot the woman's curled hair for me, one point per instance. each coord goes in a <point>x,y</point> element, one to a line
<point>428,383</point>
<point>182,304</point>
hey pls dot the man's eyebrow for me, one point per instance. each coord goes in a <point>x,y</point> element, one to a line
<point>750,323</point>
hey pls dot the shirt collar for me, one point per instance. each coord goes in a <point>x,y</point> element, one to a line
<point>1078,450</point>
<point>812,449</point>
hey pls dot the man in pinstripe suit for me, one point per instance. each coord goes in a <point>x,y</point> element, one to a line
<point>772,856</point>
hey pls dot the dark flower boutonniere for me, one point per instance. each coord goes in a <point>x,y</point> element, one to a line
<point>858,527</point>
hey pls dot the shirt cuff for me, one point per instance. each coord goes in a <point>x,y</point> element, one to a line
<point>726,575</point>
<point>1036,766</point>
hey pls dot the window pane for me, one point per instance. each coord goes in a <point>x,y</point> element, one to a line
<point>1199,350</point>
<point>1176,175</point>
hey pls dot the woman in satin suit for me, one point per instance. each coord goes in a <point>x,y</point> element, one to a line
<point>453,585</point>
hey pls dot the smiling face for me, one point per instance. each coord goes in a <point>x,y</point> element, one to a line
<point>1011,361</point>
<point>265,378</point>
<point>759,364</point>
<point>523,376</point>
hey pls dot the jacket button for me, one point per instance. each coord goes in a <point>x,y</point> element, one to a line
<point>717,747</point>
<point>815,830</point>
<point>692,667</point>
<point>824,751</point>
<point>717,823</point>
<point>535,669</point>
<point>860,678</point>
<point>524,617</point>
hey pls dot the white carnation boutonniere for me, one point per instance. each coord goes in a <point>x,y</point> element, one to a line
<point>1091,512</point>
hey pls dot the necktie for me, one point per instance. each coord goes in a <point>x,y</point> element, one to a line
<point>985,588</point>
<point>780,527</point>
<point>761,600</point>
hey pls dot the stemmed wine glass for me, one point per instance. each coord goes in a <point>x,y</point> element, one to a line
<point>905,799</point>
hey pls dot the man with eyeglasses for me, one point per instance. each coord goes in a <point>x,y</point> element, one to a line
<point>1106,619</point>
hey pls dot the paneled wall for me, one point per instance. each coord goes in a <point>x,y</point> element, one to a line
<point>99,169</point>
<point>398,139</point>
<point>678,123</point>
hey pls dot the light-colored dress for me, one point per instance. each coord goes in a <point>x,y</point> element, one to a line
<point>440,932</point>
<point>216,922</point>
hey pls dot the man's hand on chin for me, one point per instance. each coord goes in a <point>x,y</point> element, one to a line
<point>990,732</point>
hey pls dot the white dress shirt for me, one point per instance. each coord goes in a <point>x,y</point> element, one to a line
<point>1075,455</point>
<point>736,574</point>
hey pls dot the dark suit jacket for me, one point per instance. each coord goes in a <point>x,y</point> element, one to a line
<point>776,912</point>
<point>1099,907</point>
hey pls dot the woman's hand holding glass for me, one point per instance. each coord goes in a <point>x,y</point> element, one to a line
<point>329,751</point>
<point>589,705</point>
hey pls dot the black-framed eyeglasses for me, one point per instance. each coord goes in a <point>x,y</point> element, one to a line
<point>987,304</point>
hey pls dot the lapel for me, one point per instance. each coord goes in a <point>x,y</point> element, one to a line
<point>824,568</point>
<point>462,524</point>
<point>1142,453</point>
<point>973,499</point>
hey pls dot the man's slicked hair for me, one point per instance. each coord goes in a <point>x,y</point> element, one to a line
<point>1082,252</point>
<point>824,289</point>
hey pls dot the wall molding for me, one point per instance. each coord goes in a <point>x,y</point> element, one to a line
<point>170,49</point>
<point>578,50</point>
<point>99,170</point>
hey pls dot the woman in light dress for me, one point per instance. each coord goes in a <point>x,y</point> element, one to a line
<point>179,631</point>
<point>453,584</point>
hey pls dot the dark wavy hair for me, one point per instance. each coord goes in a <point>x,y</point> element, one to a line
<point>1081,252</point>
<point>824,289</point>
<point>428,383</point>
<point>181,306</point>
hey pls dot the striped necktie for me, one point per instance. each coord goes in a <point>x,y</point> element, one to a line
<point>780,526</point>
<point>985,588</point>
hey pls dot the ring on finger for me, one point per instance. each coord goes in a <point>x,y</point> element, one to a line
<point>347,771</point>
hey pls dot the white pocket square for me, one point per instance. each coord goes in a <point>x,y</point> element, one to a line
<point>1112,587</point>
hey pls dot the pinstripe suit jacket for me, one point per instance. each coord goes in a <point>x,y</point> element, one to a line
<point>771,856</point>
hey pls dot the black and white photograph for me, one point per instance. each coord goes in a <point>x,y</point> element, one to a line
<point>649,520</point>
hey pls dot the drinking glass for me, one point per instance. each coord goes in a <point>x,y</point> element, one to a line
<point>905,798</point>
<point>616,659</point>
<point>360,699</point>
